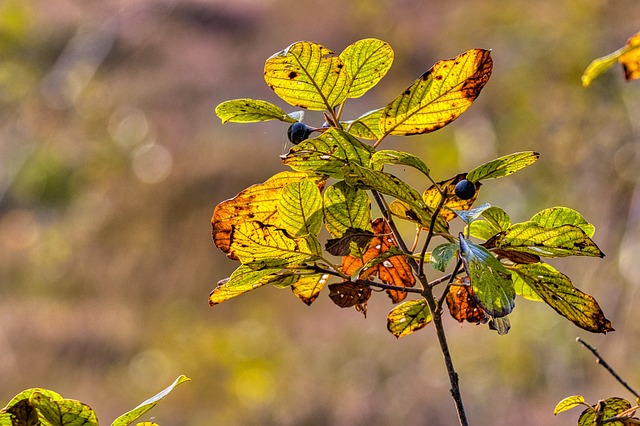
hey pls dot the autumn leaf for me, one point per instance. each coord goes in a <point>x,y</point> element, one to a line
<point>569,403</point>
<point>611,407</point>
<point>408,317</point>
<point>394,271</point>
<point>308,287</point>
<point>349,293</point>
<point>300,208</point>
<point>463,306</point>
<point>308,75</point>
<point>628,56</point>
<point>439,95</point>
<point>432,197</point>
<point>258,202</point>
<point>556,290</point>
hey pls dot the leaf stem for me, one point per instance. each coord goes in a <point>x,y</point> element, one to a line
<point>430,233</point>
<point>607,367</point>
<point>436,311</point>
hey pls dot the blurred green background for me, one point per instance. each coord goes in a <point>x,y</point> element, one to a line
<point>112,160</point>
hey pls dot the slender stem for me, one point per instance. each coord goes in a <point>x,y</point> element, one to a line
<point>430,233</point>
<point>436,311</point>
<point>603,363</point>
<point>391,287</point>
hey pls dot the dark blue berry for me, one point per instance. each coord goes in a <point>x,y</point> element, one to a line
<point>298,132</point>
<point>465,189</point>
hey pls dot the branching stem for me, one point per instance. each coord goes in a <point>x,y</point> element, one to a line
<point>436,311</point>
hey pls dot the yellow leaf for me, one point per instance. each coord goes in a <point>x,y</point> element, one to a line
<point>307,75</point>
<point>439,96</point>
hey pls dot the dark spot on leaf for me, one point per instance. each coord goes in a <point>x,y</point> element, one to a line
<point>292,75</point>
<point>340,66</point>
<point>407,92</point>
<point>437,77</point>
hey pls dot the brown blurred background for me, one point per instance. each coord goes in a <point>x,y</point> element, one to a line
<point>112,159</point>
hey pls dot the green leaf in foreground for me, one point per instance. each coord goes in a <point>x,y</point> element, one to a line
<point>612,407</point>
<point>558,292</point>
<point>439,96</point>
<point>346,207</point>
<point>491,281</point>
<point>129,417</point>
<point>569,403</point>
<point>250,111</point>
<point>503,166</point>
<point>366,61</point>
<point>328,153</point>
<point>65,412</point>
<point>408,317</point>
<point>307,75</point>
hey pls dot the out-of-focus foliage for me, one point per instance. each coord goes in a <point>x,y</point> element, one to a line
<point>45,407</point>
<point>111,159</point>
<point>628,56</point>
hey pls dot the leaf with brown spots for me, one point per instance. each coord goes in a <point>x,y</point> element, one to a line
<point>432,197</point>
<point>557,291</point>
<point>438,96</point>
<point>348,293</point>
<point>308,287</point>
<point>308,75</point>
<point>394,271</point>
<point>256,203</point>
<point>462,304</point>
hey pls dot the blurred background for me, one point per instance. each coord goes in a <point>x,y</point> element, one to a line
<point>112,160</point>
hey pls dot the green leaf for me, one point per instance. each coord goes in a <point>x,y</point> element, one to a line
<point>481,229</point>
<point>561,241</point>
<point>523,289</point>
<point>367,126</point>
<point>265,246</point>
<point>129,417</point>
<point>366,61</point>
<point>308,287</point>
<point>346,207</point>
<point>491,281</point>
<point>385,183</point>
<point>439,96</point>
<point>388,156</point>
<point>612,407</point>
<point>65,412</point>
<point>503,166</point>
<point>242,280</point>
<point>408,317</point>
<point>300,208</point>
<point>22,411</point>
<point>26,394</point>
<point>602,64</point>
<point>558,216</point>
<point>328,153</point>
<point>441,255</point>
<point>558,292</point>
<point>569,403</point>
<point>308,75</point>
<point>250,111</point>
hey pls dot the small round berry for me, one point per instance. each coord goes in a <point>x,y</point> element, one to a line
<point>465,189</point>
<point>298,132</point>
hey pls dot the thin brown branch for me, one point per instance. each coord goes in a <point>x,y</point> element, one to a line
<point>607,367</point>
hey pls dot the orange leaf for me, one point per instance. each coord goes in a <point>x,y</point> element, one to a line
<point>393,271</point>
<point>631,60</point>
<point>462,305</point>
